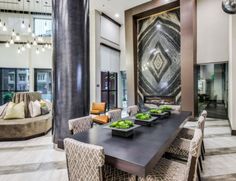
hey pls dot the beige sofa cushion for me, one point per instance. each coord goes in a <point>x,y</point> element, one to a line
<point>34,108</point>
<point>15,111</point>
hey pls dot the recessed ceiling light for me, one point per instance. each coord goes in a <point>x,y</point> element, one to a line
<point>117,15</point>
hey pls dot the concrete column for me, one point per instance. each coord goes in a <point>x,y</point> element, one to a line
<point>70,64</point>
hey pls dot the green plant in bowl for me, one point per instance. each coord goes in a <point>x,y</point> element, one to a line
<point>155,111</point>
<point>143,116</point>
<point>165,108</point>
<point>122,124</point>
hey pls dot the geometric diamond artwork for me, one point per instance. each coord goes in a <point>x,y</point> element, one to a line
<point>158,65</point>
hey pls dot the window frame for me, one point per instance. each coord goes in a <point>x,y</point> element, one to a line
<point>41,18</point>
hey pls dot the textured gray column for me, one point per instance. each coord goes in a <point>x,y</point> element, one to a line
<point>70,64</point>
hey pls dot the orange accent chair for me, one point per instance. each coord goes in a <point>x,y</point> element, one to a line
<point>98,108</point>
<point>102,119</point>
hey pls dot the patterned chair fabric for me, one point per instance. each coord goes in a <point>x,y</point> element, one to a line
<point>114,115</point>
<point>26,97</point>
<point>179,148</point>
<point>80,124</point>
<point>85,162</point>
<point>201,123</point>
<point>188,133</point>
<point>204,113</point>
<point>194,153</point>
<point>132,110</point>
<point>168,170</point>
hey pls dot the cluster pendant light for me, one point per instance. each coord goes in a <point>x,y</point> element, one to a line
<point>26,28</point>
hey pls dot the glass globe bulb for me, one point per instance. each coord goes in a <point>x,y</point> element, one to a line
<point>11,41</point>
<point>7,45</point>
<point>17,38</point>
<point>29,29</point>
<point>35,43</point>
<point>43,49</point>
<point>18,50</point>
<point>28,45</point>
<point>13,33</point>
<point>4,27</point>
<point>23,48</point>
<point>23,25</point>
<point>37,51</point>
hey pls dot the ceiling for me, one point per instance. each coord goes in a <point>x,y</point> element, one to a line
<point>112,7</point>
<point>27,5</point>
<point>109,7</point>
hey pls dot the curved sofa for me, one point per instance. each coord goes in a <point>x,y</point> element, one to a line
<point>22,129</point>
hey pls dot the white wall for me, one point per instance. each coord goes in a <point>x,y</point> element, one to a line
<point>9,58</point>
<point>232,72</point>
<point>102,32</point>
<point>28,59</point>
<point>212,32</point>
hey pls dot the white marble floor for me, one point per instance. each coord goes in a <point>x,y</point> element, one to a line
<point>220,159</point>
<point>36,160</point>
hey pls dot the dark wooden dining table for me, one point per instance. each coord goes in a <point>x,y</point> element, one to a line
<point>140,153</point>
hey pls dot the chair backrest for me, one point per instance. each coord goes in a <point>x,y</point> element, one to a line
<point>80,124</point>
<point>201,123</point>
<point>114,115</point>
<point>99,106</point>
<point>132,110</point>
<point>84,161</point>
<point>194,153</point>
<point>204,113</point>
<point>26,97</point>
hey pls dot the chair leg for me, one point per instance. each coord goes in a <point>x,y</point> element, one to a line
<point>202,154</point>
<point>200,163</point>
<point>203,146</point>
<point>198,174</point>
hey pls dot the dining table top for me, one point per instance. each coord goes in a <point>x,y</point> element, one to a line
<point>140,153</point>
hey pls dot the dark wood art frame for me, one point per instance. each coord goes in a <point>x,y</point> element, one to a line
<point>188,44</point>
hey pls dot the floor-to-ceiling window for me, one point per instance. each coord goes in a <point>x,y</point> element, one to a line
<point>213,89</point>
<point>13,80</point>
<point>43,82</point>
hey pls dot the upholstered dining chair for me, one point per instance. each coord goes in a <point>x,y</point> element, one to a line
<point>114,115</point>
<point>86,162</point>
<point>98,108</point>
<point>132,110</point>
<point>180,147</point>
<point>169,170</point>
<point>80,124</point>
<point>187,133</point>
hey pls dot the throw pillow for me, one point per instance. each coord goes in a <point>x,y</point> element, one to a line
<point>15,111</point>
<point>44,110</point>
<point>3,109</point>
<point>34,108</point>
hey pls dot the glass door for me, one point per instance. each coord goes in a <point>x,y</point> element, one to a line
<point>43,82</point>
<point>213,90</point>
<point>109,89</point>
